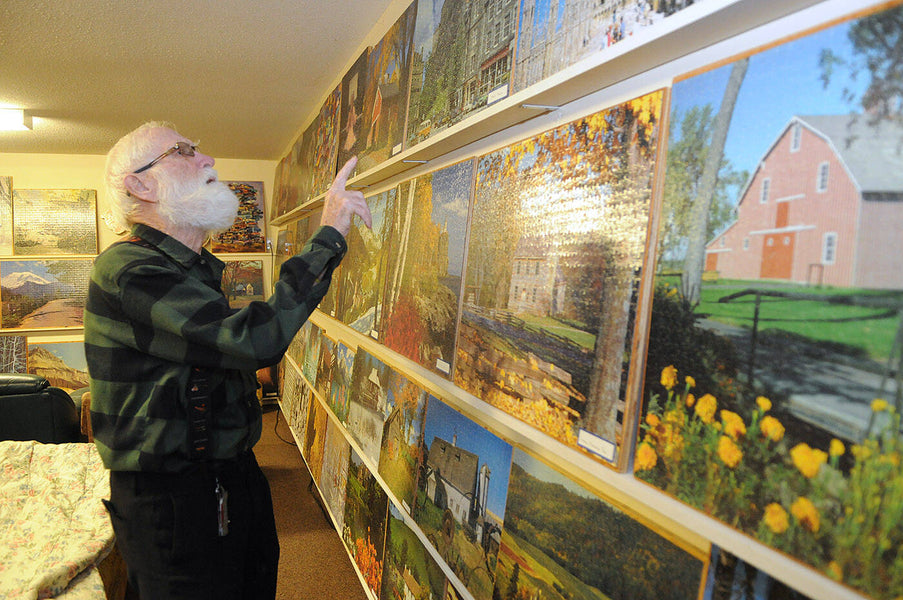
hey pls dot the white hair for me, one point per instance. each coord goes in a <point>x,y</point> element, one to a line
<point>123,158</point>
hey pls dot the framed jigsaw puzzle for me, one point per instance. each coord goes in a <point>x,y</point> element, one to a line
<point>54,222</point>
<point>557,245</point>
<point>773,392</point>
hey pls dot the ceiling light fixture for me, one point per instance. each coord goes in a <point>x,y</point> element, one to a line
<point>14,119</point>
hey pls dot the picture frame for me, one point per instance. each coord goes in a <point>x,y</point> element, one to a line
<point>242,282</point>
<point>549,516</point>
<point>446,85</point>
<point>553,36</point>
<point>339,399</point>
<point>43,293</point>
<point>425,268</point>
<point>38,228</point>
<point>380,126</point>
<point>365,522</point>
<point>756,304</point>
<point>62,364</point>
<point>554,266</point>
<point>248,233</point>
<point>362,276</point>
<point>13,353</point>
<point>460,502</point>
<point>334,478</point>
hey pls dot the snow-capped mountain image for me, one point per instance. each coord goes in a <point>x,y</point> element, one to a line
<point>43,293</point>
<point>30,284</point>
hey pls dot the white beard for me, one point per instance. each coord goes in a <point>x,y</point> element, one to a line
<point>210,207</point>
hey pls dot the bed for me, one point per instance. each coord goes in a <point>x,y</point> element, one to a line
<point>54,529</point>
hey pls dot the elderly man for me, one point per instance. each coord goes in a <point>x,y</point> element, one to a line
<point>174,406</point>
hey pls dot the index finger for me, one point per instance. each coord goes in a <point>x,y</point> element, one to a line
<point>342,176</point>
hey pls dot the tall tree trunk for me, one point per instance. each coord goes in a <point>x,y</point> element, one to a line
<point>694,262</point>
<point>401,259</point>
<point>623,257</point>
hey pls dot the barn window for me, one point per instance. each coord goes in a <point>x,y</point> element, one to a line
<point>821,182</point>
<point>746,243</point>
<point>763,193</point>
<point>829,248</point>
<point>786,240</point>
<point>769,242</point>
<point>795,135</point>
<point>722,241</point>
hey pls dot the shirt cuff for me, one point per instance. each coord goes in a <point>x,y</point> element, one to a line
<point>331,238</point>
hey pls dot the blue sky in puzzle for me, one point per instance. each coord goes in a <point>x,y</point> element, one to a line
<point>451,200</point>
<point>37,267</point>
<point>444,422</point>
<point>428,13</point>
<point>781,82</point>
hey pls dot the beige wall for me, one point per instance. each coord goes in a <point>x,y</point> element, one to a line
<point>77,171</point>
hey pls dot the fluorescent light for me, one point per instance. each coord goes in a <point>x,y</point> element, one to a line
<point>14,119</point>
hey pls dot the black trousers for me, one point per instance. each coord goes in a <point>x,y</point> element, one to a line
<point>166,529</point>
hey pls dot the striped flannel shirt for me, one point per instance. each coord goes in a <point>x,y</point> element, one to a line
<point>154,312</point>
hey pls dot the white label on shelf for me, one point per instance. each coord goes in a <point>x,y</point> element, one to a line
<point>497,94</point>
<point>443,366</point>
<point>374,334</point>
<point>396,149</point>
<point>596,445</point>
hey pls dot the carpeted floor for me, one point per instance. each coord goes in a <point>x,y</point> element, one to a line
<point>313,561</point>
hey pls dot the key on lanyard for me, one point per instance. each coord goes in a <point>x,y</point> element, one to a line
<point>222,509</point>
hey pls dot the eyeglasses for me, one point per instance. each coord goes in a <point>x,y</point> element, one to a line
<point>183,148</point>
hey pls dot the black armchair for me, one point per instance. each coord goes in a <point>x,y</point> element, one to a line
<point>30,409</point>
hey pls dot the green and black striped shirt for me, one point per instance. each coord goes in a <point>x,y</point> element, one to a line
<point>154,312</point>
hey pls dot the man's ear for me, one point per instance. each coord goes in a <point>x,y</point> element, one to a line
<point>137,187</point>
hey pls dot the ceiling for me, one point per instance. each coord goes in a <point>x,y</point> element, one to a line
<point>241,76</point>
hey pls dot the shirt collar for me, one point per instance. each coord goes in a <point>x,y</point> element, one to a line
<point>172,247</point>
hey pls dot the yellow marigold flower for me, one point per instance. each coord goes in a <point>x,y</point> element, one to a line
<point>892,459</point>
<point>672,443</point>
<point>808,460</point>
<point>861,452</point>
<point>836,448</point>
<point>652,420</point>
<point>690,400</point>
<point>772,428</point>
<point>690,381</point>
<point>806,514</point>
<point>835,571</point>
<point>669,377</point>
<point>733,424</point>
<point>645,457</point>
<point>728,452</point>
<point>706,407</point>
<point>676,416</point>
<point>776,518</point>
<point>879,405</point>
<point>764,403</point>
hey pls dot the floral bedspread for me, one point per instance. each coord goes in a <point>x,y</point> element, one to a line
<point>53,527</point>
